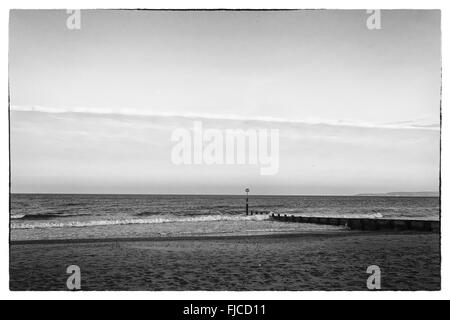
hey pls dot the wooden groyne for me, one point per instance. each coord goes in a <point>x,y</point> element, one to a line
<point>255,212</point>
<point>369,224</point>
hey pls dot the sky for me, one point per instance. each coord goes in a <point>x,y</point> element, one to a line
<point>93,110</point>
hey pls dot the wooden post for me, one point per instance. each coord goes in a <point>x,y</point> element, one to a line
<point>247,190</point>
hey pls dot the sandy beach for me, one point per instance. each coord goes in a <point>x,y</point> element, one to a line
<point>318,261</point>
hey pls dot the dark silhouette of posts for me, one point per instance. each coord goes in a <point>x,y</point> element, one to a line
<point>368,224</point>
<point>247,190</point>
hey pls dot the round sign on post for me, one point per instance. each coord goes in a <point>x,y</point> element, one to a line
<point>247,190</point>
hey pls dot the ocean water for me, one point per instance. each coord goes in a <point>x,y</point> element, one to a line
<point>57,216</point>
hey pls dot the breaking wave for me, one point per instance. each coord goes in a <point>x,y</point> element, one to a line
<point>99,223</point>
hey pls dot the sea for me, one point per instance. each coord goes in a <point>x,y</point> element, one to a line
<point>93,216</point>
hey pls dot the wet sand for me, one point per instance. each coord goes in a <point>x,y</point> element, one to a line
<point>292,262</point>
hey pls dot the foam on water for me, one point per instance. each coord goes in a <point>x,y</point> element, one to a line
<point>81,224</point>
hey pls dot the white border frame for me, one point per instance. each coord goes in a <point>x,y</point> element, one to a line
<point>6,5</point>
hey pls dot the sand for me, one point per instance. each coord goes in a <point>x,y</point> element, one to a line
<point>334,261</point>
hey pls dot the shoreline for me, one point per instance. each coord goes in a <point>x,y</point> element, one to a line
<point>291,235</point>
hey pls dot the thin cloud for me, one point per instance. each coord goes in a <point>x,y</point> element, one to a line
<point>404,125</point>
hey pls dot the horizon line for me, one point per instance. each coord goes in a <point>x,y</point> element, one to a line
<point>365,194</point>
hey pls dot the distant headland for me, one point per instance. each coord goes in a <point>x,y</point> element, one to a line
<point>401,194</point>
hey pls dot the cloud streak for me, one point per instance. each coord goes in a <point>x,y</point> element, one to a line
<point>404,125</point>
